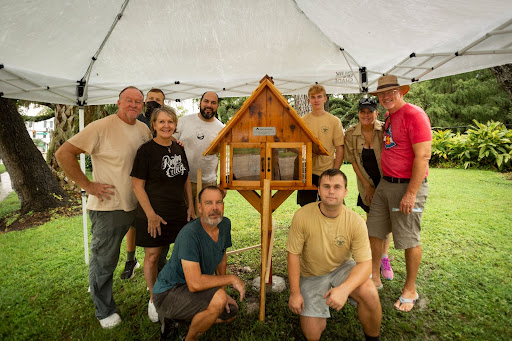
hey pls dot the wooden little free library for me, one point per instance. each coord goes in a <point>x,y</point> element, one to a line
<point>266,146</point>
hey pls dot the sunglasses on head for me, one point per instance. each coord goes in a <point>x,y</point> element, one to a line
<point>368,101</point>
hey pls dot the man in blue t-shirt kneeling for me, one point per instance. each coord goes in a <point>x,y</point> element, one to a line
<point>191,285</point>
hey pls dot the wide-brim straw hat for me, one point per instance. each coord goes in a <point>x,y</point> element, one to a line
<point>389,82</point>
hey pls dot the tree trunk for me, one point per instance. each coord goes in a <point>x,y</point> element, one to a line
<point>63,130</point>
<point>64,124</point>
<point>31,177</point>
<point>504,75</point>
<point>93,113</point>
<point>302,105</point>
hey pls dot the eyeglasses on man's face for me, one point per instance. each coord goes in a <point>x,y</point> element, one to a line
<point>387,93</point>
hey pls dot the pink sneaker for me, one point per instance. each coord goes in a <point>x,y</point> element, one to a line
<point>385,268</point>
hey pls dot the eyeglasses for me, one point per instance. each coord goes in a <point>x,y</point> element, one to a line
<point>387,93</point>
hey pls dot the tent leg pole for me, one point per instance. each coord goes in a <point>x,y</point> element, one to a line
<point>84,223</point>
<point>84,199</point>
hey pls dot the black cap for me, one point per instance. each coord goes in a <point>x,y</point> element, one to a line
<point>368,103</point>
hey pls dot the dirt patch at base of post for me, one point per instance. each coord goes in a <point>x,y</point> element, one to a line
<point>19,222</point>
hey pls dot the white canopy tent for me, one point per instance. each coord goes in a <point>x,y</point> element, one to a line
<point>186,47</point>
<point>85,52</point>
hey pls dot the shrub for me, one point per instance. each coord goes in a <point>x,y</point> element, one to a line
<point>441,146</point>
<point>484,146</point>
<point>490,144</point>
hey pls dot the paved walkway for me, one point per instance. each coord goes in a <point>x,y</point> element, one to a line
<point>5,186</point>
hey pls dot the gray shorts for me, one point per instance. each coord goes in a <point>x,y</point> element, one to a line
<point>313,290</point>
<point>382,219</point>
<point>179,303</point>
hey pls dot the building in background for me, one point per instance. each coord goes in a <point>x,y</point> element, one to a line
<point>41,133</point>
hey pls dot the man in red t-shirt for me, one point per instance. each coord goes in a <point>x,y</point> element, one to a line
<point>399,200</point>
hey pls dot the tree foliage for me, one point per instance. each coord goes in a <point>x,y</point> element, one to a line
<point>458,100</point>
<point>228,106</point>
<point>45,114</point>
<point>345,108</point>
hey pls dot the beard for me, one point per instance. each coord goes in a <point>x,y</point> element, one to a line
<point>206,115</point>
<point>213,221</point>
<point>150,106</point>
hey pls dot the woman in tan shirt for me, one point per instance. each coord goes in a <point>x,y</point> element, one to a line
<point>363,146</point>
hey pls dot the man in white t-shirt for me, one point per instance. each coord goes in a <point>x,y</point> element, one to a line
<point>197,132</point>
<point>112,143</point>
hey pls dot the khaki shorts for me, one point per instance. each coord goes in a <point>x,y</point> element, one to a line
<point>382,219</point>
<point>314,288</point>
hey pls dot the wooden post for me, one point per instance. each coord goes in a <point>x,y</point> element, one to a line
<point>198,189</point>
<point>268,272</point>
<point>265,223</point>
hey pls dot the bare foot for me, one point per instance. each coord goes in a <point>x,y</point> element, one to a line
<point>378,283</point>
<point>406,301</point>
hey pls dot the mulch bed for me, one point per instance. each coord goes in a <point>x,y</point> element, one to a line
<point>18,222</point>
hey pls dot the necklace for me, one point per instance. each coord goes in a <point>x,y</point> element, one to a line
<point>320,208</point>
<point>168,147</point>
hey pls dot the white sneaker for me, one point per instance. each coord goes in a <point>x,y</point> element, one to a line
<point>153,315</point>
<point>111,321</point>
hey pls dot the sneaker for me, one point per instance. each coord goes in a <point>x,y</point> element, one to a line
<point>111,321</point>
<point>168,329</point>
<point>153,315</point>
<point>129,269</point>
<point>385,268</point>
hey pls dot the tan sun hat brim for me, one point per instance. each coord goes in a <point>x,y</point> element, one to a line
<point>404,88</point>
<point>389,82</point>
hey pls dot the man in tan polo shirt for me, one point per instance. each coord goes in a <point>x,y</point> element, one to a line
<point>112,143</point>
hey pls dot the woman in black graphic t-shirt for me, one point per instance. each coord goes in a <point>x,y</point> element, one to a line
<point>161,184</point>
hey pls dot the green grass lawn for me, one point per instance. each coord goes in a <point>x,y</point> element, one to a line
<point>464,280</point>
<point>2,168</point>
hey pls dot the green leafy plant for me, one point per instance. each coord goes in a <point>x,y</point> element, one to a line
<point>490,144</point>
<point>487,146</point>
<point>441,145</point>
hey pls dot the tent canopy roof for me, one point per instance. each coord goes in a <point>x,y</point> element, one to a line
<point>186,47</point>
